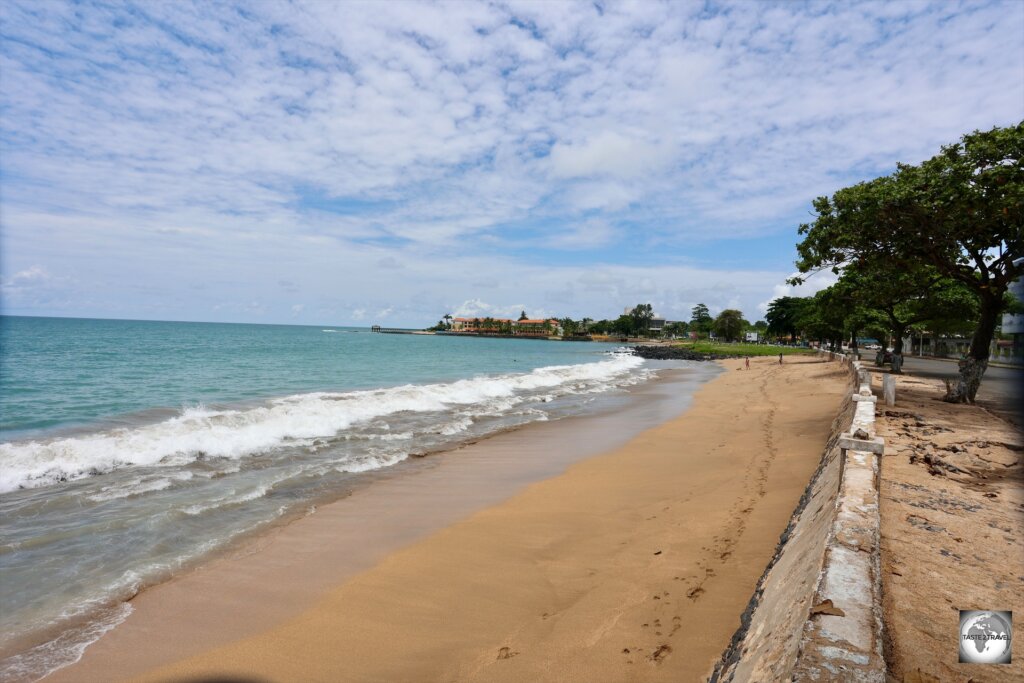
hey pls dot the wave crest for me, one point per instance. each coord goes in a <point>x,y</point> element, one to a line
<point>200,432</point>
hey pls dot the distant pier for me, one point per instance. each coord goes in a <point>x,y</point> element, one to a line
<point>397,330</point>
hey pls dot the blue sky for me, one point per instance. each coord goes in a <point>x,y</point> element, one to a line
<point>351,163</point>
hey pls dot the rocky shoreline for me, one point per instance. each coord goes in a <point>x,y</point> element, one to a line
<point>652,352</point>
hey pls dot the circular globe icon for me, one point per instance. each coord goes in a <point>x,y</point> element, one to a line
<point>985,638</point>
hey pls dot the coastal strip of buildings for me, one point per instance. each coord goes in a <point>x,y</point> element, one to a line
<point>539,328</point>
<point>527,327</point>
<point>531,328</point>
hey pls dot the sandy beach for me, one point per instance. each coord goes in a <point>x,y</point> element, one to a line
<point>631,565</point>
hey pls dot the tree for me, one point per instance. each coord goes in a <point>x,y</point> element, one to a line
<point>730,324</point>
<point>569,327</point>
<point>623,325</point>
<point>761,326</point>
<point>700,319</point>
<point>904,297</point>
<point>523,316</point>
<point>677,329</point>
<point>960,212</point>
<point>783,315</point>
<point>642,315</point>
<point>823,317</point>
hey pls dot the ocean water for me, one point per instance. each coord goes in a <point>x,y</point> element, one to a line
<point>130,450</point>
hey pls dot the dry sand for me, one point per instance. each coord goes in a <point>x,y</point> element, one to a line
<point>952,521</point>
<point>631,566</point>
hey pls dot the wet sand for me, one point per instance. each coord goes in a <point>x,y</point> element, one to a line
<point>631,565</point>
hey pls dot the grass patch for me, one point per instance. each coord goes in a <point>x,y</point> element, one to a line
<point>742,349</point>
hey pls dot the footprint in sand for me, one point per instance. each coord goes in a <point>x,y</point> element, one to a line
<point>506,653</point>
<point>660,654</point>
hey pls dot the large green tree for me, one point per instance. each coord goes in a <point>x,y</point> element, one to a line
<point>960,212</point>
<point>730,324</point>
<point>700,319</point>
<point>623,325</point>
<point>823,317</point>
<point>642,315</point>
<point>783,316</point>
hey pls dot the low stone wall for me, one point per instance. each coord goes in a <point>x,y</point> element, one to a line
<point>816,612</point>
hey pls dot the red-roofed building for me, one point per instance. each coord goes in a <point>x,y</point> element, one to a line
<point>482,325</point>
<point>537,328</point>
<point>540,327</point>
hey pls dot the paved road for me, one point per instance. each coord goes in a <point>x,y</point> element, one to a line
<point>1001,388</point>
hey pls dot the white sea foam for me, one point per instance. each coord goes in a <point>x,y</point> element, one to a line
<point>365,463</point>
<point>138,486</point>
<point>64,650</point>
<point>201,432</point>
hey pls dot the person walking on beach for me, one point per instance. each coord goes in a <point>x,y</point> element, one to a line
<point>748,362</point>
<point>780,359</point>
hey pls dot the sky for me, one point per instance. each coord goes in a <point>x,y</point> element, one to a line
<point>391,162</point>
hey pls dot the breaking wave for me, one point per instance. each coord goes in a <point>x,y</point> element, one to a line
<point>200,433</point>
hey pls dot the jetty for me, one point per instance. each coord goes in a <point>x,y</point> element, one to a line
<point>397,330</point>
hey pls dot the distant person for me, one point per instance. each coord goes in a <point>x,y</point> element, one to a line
<point>748,362</point>
<point>780,359</point>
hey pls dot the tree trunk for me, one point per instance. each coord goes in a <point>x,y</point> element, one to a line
<point>974,364</point>
<point>897,350</point>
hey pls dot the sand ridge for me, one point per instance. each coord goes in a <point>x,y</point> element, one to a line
<point>633,565</point>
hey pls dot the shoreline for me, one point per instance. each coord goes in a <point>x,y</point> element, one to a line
<point>490,464</point>
<point>532,547</point>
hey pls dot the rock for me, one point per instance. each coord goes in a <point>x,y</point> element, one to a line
<point>677,353</point>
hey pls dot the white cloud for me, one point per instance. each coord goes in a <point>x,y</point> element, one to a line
<point>608,153</point>
<point>376,155</point>
<point>35,286</point>
<point>588,235</point>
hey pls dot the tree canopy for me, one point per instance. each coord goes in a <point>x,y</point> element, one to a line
<point>783,316</point>
<point>960,213</point>
<point>730,324</point>
<point>700,319</point>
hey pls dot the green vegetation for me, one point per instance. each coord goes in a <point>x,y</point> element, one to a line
<point>636,323</point>
<point>932,245</point>
<point>701,320</point>
<point>729,324</point>
<point>742,349</point>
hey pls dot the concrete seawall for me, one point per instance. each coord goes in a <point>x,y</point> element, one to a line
<point>816,612</point>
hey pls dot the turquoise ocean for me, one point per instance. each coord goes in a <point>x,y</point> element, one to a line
<point>132,449</point>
